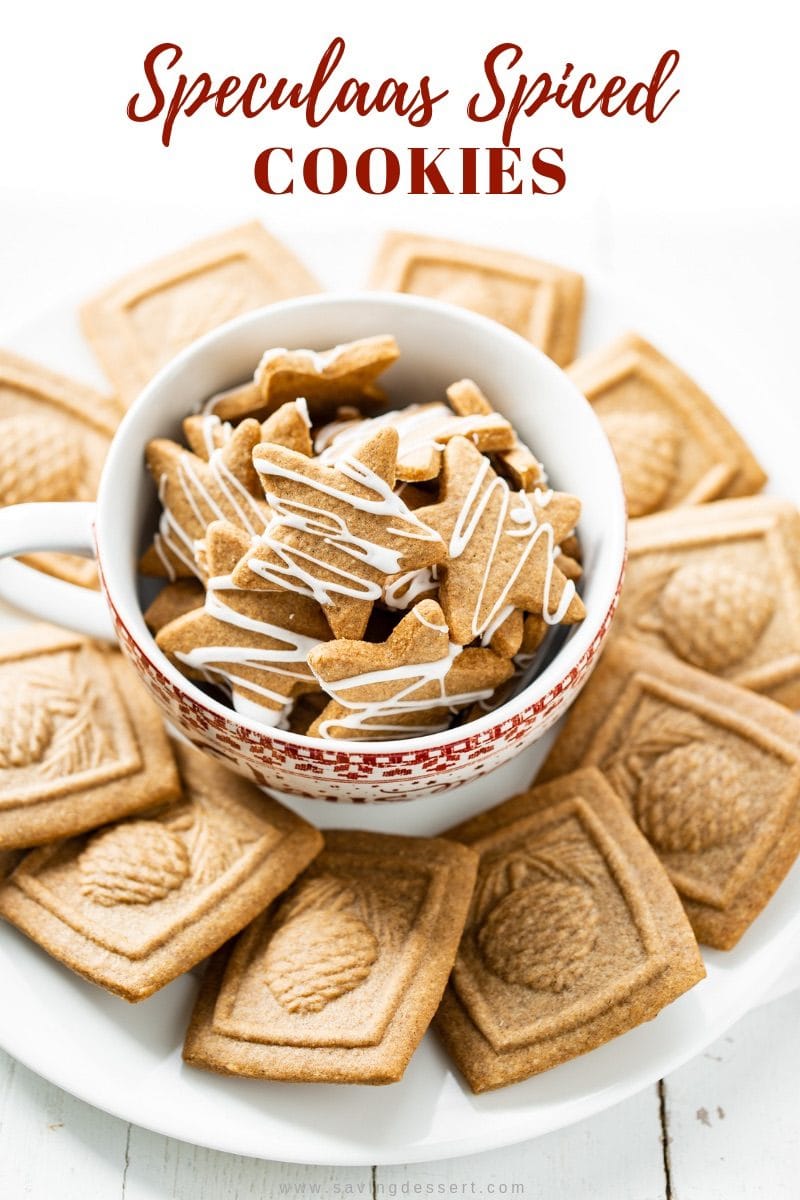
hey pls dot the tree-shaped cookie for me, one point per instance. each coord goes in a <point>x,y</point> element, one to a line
<point>337,533</point>
<point>404,686</point>
<point>502,547</point>
<point>194,492</point>
<point>256,643</point>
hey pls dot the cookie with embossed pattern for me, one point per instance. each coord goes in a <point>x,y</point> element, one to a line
<point>719,586</point>
<point>575,934</point>
<point>538,300</point>
<point>710,772</point>
<point>672,443</point>
<point>140,322</point>
<point>81,742</point>
<point>137,903</point>
<point>338,982</point>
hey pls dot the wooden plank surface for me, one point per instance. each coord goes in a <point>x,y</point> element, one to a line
<point>726,1126</point>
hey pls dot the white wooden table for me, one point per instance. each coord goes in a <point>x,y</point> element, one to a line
<point>727,1125</point>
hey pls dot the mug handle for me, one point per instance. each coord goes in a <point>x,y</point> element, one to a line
<point>67,526</point>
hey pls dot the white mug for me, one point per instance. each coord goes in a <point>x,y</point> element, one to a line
<point>439,344</point>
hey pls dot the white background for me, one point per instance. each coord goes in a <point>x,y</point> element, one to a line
<point>695,219</point>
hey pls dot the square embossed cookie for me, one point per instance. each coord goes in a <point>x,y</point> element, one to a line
<point>142,320</point>
<point>575,934</point>
<point>538,300</point>
<point>710,772</point>
<point>673,444</point>
<point>132,906</point>
<point>54,435</point>
<point>339,981</point>
<point>81,742</point>
<point>719,586</point>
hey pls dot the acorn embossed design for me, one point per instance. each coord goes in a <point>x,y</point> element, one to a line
<point>692,798</point>
<point>712,614</point>
<point>321,949</point>
<point>40,460</point>
<point>647,448</point>
<point>538,921</point>
<point>46,723</point>
<point>136,863</point>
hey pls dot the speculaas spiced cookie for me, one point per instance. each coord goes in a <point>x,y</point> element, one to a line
<point>516,462</point>
<point>135,904</point>
<point>672,443</point>
<point>338,982</point>
<point>144,319</point>
<point>501,547</point>
<point>81,742</point>
<point>710,772</point>
<point>575,934</point>
<point>538,300</point>
<point>8,861</point>
<point>194,492</point>
<point>337,533</point>
<point>407,685</point>
<point>423,431</point>
<point>719,585</point>
<point>325,379</point>
<point>54,435</point>
<point>173,601</point>
<point>255,643</point>
<point>288,426</point>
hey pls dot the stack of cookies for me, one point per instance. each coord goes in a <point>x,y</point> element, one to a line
<point>667,813</point>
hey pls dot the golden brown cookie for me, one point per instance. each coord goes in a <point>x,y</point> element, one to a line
<point>575,934</point>
<point>8,861</point>
<point>337,533</point>
<point>410,684</point>
<point>54,435</point>
<point>194,492</point>
<point>516,462</point>
<point>174,601</point>
<point>255,643</point>
<point>710,772</point>
<point>81,742</point>
<point>538,300</point>
<point>140,322</point>
<point>338,983</point>
<point>325,379</point>
<point>673,444</point>
<point>719,585</point>
<point>501,547</point>
<point>136,904</point>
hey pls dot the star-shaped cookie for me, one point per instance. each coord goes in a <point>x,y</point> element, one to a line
<point>255,643</point>
<point>193,493</point>
<point>288,426</point>
<point>409,684</point>
<point>337,533</point>
<point>501,547</point>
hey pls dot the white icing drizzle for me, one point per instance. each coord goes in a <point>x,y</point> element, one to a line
<point>411,679</point>
<point>406,588</point>
<point>524,515</point>
<point>215,432</point>
<point>222,661</point>
<point>421,428</point>
<point>242,508</point>
<point>326,528</point>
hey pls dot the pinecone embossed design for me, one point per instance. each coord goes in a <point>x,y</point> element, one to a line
<point>47,723</point>
<point>321,948</point>
<point>136,863</point>
<point>647,448</point>
<point>713,615</point>
<point>538,922</point>
<point>40,460</point>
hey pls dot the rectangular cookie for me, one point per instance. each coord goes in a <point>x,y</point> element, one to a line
<point>575,934</point>
<point>138,903</point>
<point>541,302</point>
<point>140,322</point>
<point>719,586</point>
<point>673,444</point>
<point>81,742</point>
<point>338,983</point>
<point>710,772</point>
<point>54,436</point>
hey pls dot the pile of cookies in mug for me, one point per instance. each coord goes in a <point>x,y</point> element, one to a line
<point>666,814</point>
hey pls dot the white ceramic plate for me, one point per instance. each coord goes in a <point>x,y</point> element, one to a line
<point>126,1059</point>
